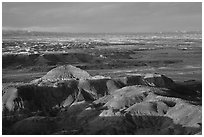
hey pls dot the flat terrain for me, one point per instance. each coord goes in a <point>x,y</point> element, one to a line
<point>176,63</point>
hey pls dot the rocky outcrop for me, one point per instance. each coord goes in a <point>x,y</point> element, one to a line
<point>130,80</point>
<point>93,89</point>
<point>9,95</point>
<point>153,80</point>
<point>43,98</point>
<point>157,80</point>
<point>127,96</point>
<point>69,101</point>
<point>66,72</point>
<point>149,114</point>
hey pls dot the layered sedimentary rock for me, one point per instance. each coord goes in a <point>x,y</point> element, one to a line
<point>66,72</point>
<point>68,100</point>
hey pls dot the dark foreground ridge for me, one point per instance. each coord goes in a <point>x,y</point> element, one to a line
<point>68,100</point>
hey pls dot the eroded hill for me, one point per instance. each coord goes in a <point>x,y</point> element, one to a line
<point>68,100</point>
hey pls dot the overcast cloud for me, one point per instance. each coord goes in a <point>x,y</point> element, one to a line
<point>102,17</point>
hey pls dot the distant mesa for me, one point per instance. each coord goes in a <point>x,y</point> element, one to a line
<point>152,80</point>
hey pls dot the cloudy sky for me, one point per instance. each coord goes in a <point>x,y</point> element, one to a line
<point>102,17</point>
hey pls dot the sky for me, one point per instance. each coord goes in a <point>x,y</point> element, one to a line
<point>102,17</point>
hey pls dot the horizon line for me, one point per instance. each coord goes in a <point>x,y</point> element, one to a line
<point>62,32</point>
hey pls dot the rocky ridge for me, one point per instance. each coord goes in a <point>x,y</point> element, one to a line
<point>68,100</point>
